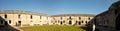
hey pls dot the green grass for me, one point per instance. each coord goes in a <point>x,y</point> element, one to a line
<point>55,28</point>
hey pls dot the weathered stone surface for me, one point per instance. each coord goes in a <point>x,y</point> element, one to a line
<point>108,20</point>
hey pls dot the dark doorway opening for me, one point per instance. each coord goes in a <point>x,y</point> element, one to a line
<point>118,22</point>
<point>6,23</point>
<point>70,22</point>
<point>79,23</point>
<point>9,21</point>
<point>76,22</point>
<point>61,22</point>
<point>19,23</point>
<point>1,22</point>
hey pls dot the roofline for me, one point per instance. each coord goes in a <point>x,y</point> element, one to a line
<point>72,15</point>
<point>35,13</point>
<point>20,12</point>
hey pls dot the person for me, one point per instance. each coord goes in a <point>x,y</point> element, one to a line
<point>93,27</point>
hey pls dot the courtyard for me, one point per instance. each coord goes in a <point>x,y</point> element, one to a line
<point>55,28</point>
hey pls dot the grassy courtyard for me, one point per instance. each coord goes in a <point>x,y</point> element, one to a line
<point>55,28</point>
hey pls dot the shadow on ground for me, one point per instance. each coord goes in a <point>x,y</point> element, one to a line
<point>5,27</point>
<point>86,28</point>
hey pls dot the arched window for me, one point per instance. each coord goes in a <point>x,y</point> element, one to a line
<point>31,17</point>
<point>85,21</point>
<point>40,17</point>
<point>5,15</point>
<point>89,18</point>
<point>47,18</point>
<point>82,21</point>
<point>70,17</point>
<point>61,18</point>
<point>79,18</point>
<point>76,21</point>
<point>19,16</point>
<point>9,21</point>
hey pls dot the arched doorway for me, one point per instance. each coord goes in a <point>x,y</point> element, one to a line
<point>6,23</point>
<point>76,22</point>
<point>19,23</point>
<point>70,22</point>
<point>61,22</point>
<point>118,22</point>
<point>79,23</point>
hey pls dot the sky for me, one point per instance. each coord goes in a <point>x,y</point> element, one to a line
<point>53,7</point>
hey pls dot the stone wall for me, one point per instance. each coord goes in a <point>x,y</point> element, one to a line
<point>107,21</point>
